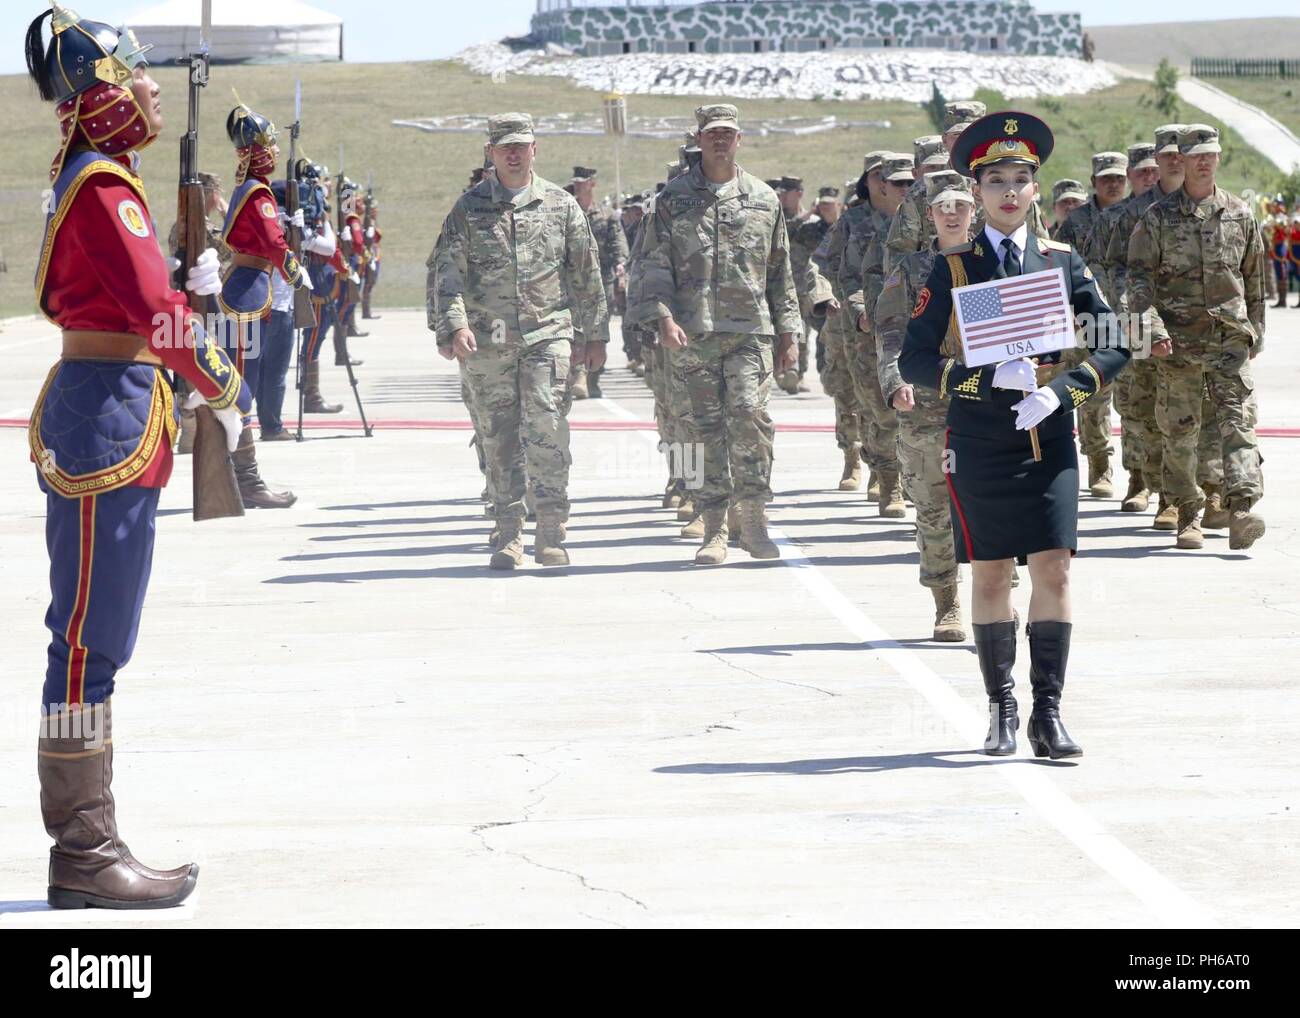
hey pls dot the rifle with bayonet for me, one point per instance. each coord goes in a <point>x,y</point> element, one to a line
<point>304,315</point>
<point>216,492</point>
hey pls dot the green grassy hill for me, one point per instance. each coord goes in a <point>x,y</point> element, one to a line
<point>418,175</point>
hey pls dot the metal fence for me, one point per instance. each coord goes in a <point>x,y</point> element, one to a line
<point>1256,67</point>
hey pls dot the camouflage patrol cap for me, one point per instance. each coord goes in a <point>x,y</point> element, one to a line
<point>827,195</point>
<point>958,115</point>
<point>1198,139</point>
<point>510,129</point>
<point>947,185</point>
<point>870,162</point>
<point>792,183</point>
<point>898,166</point>
<point>1167,137</point>
<point>717,115</point>
<point>1108,164</point>
<point>1068,187</point>
<point>929,150</point>
<point>774,183</point>
<point>1142,156</point>
<point>581,173</point>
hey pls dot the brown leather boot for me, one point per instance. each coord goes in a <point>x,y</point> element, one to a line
<point>365,309</point>
<point>1244,526</point>
<point>1166,515</point>
<point>90,867</point>
<point>891,502</point>
<point>252,489</point>
<point>753,530</point>
<point>713,550</point>
<point>548,542</point>
<point>1138,497</point>
<point>1189,530</point>
<point>948,627</point>
<point>185,441</point>
<point>851,478</point>
<point>341,356</point>
<point>312,401</point>
<point>509,553</point>
<point>1099,475</point>
<point>1216,515</point>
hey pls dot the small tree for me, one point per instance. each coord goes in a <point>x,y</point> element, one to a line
<point>934,108</point>
<point>1164,85</point>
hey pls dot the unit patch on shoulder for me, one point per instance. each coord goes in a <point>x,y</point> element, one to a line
<point>132,216</point>
<point>267,209</point>
<point>922,302</point>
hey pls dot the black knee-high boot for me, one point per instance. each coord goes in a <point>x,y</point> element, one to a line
<point>1049,649</point>
<point>995,646</point>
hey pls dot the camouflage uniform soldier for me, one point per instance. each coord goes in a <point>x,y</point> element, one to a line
<point>1106,260</point>
<point>1109,174</point>
<point>1197,257</point>
<point>790,192</point>
<point>1139,380</point>
<point>923,413</point>
<point>852,424</point>
<point>515,255</point>
<point>717,284</point>
<point>865,251</point>
<point>1067,195</point>
<point>611,243</point>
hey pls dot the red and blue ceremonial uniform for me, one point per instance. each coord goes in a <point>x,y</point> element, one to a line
<point>102,430</point>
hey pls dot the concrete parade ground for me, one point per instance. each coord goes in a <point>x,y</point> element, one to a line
<point>347,720</point>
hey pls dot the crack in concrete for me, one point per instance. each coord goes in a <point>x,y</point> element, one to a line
<point>769,678</point>
<point>479,831</point>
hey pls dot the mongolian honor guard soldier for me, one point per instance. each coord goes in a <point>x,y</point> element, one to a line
<point>101,436</point>
<point>324,264</point>
<point>253,232</point>
<point>1014,496</point>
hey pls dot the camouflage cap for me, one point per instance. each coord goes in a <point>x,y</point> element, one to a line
<point>792,183</point>
<point>1068,187</point>
<point>773,182</point>
<point>1198,139</point>
<point>510,129</point>
<point>581,173</point>
<point>871,161</point>
<point>1167,137</point>
<point>898,166</point>
<point>1106,164</point>
<point>1142,156</point>
<point>929,148</point>
<point>717,115</point>
<point>947,185</point>
<point>826,195</point>
<point>961,113</point>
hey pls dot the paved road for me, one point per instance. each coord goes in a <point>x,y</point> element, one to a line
<point>347,720</point>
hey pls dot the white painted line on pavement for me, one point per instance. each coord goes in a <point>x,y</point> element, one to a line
<point>1171,906</point>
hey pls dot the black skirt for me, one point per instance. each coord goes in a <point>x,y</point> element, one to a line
<point>1004,505</point>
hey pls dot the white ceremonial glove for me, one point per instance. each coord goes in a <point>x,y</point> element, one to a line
<point>296,219</point>
<point>229,418</point>
<point>320,244</point>
<point>204,276</point>
<point>370,233</point>
<point>1036,408</point>
<point>305,281</point>
<point>355,278</point>
<point>1017,374</point>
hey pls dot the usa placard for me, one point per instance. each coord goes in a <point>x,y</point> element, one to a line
<point>1020,316</point>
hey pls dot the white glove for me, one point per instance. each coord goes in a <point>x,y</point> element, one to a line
<point>1017,374</point>
<point>305,281</point>
<point>204,276</point>
<point>296,219</point>
<point>320,244</point>
<point>370,233</point>
<point>355,278</point>
<point>229,418</point>
<point>1036,408</point>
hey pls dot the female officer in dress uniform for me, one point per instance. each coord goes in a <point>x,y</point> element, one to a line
<point>1005,504</point>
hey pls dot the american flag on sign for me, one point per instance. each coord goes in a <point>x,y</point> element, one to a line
<point>1020,316</point>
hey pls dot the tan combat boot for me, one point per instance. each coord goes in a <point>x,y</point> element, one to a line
<point>851,479</point>
<point>686,509</point>
<point>548,542</point>
<point>733,523</point>
<point>672,496</point>
<point>1138,497</point>
<point>1215,516</point>
<point>579,386</point>
<point>1166,515</point>
<point>891,502</point>
<point>1189,531</point>
<point>1099,475</point>
<point>713,551</point>
<point>509,544</point>
<point>873,485</point>
<point>1244,526</point>
<point>90,866</point>
<point>694,529</point>
<point>753,530</point>
<point>948,627</point>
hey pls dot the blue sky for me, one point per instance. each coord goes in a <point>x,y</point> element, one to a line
<point>379,30</point>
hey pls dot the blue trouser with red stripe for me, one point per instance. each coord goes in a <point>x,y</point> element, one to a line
<point>101,553</point>
<point>313,337</point>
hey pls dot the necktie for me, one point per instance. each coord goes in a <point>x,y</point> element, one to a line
<point>1010,260</point>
